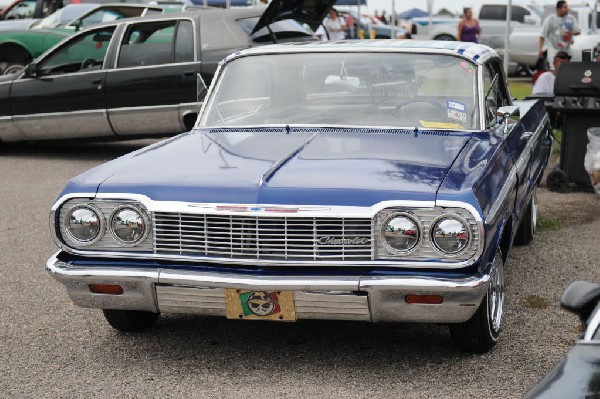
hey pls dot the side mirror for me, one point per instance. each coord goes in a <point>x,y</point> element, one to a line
<point>506,114</point>
<point>31,70</point>
<point>529,20</point>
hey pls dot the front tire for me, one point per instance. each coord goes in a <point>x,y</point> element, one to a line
<point>445,37</point>
<point>528,224</point>
<point>130,320</point>
<point>480,333</point>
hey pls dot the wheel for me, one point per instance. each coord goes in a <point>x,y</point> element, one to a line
<point>557,180</point>
<point>13,67</point>
<point>129,320</point>
<point>528,224</point>
<point>446,38</point>
<point>480,333</point>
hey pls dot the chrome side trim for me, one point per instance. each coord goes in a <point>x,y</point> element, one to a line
<point>301,212</point>
<point>64,125</point>
<point>319,297</point>
<point>523,160</point>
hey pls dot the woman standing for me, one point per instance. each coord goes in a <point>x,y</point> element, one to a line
<point>468,27</point>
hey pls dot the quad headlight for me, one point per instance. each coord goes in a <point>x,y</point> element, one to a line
<point>128,225</point>
<point>105,225</point>
<point>450,234</point>
<point>83,224</point>
<point>401,233</point>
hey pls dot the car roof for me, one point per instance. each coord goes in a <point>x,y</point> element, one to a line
<point>477,53</point>
<point>194,13</point>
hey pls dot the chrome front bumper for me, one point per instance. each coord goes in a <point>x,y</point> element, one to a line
<point>364,298</point>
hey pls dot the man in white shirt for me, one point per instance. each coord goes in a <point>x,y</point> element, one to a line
<point>335,26</point>
<point>545,82</point>
<point>558,31</point>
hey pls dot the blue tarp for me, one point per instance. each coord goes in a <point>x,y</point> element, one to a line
<point>412,13</point>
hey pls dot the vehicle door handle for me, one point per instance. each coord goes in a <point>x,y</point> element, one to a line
<point>526,135</point>
<point>187,74</point>
<point>97,81</point>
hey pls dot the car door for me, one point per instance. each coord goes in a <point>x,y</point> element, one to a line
<point>153,83</point>
<point>515,136</point>
<point>62,95</point>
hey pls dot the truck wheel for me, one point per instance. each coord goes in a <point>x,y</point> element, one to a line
<point>444,37</point>
<point>480,333</point>
<point>528,224</point>
<point>129,320</point>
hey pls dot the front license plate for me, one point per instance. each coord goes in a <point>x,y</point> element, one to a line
<point>260,305</point>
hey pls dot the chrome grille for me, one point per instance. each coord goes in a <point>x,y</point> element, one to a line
<point>263,238</point>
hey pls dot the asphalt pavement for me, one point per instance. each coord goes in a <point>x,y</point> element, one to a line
<point>50,348</point>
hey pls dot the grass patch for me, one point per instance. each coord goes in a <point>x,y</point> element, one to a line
<point>557,140</point>
<point>536,302</point>
<point>520,90</point>
<point>547,224</point>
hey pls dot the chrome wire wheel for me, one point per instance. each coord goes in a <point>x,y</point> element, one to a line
<point>495,294</point>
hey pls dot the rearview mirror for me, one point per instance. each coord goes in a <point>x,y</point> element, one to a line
<point>342,81</point>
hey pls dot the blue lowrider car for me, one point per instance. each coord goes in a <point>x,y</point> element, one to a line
<point>381,181</point>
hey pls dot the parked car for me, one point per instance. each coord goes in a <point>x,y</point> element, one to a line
<point>577,375</point>
<point>19,45</point>
<point>380,181</point>
<point>134,77</point>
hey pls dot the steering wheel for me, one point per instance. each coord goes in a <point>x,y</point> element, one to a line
<point>88,63</point>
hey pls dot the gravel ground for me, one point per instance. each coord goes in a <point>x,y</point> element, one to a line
<point>49,348</point>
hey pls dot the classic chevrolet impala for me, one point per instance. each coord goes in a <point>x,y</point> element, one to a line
<point>380,181</point>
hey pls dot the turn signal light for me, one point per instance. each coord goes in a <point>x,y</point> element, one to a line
<point>427,299</point>
<point>111,289</point>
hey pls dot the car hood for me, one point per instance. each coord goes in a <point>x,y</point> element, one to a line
<point>16,25</point>
<point>308,166</point>
<point>310,12</point>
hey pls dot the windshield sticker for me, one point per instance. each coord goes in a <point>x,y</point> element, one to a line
<point>440,125</point>
<point>456,106</point>
<point>457,115</point>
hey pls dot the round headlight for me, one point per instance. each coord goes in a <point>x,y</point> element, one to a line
<point>128,225</point>
<point>83,224</point>
<point>450,235</point>
<point>401,233</point>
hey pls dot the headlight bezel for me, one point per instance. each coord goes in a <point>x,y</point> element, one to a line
<point>114,234</point>
<point>101,222</point>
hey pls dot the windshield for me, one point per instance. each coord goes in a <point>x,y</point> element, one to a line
<point>348,89</point>
<point>63,16</point>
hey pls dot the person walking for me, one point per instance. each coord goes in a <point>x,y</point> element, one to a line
<point>557,32</point>
<point>468,27</point>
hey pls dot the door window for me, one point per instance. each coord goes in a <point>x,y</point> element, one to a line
<point>22,10</point>
<point>494,90</point>
<point>154,44</point>
<point>86,52</point>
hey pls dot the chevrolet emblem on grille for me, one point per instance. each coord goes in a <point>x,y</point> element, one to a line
<point>343,241</point>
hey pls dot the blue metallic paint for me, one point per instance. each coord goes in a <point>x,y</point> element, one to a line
<point>336,168</point>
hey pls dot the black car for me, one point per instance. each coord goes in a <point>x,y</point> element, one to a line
<point>138,76</point>
<point>577,375</point>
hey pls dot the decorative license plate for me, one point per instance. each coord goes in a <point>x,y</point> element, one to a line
<point>260,305</point>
